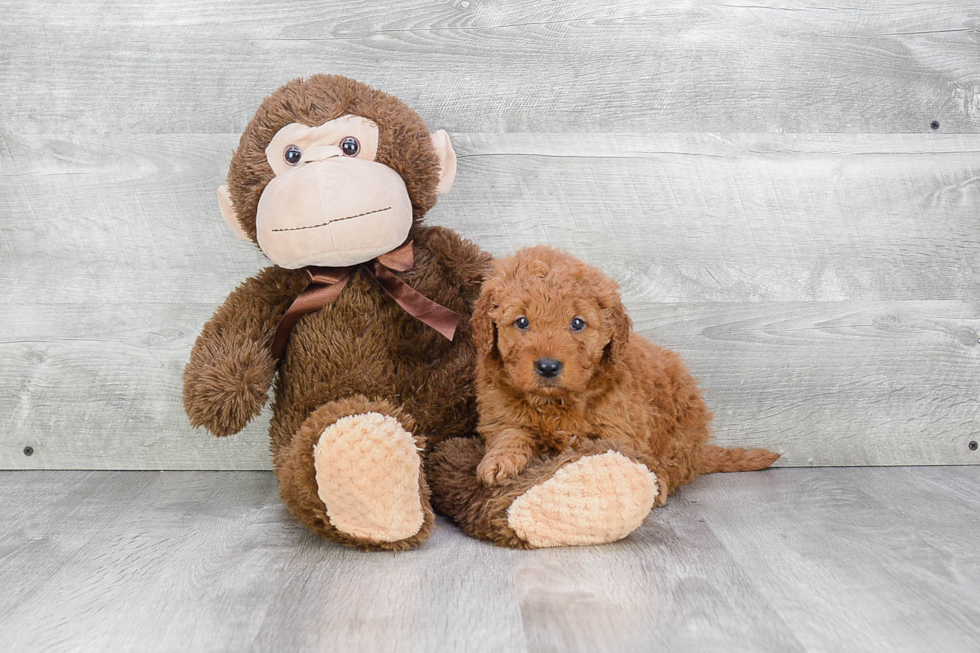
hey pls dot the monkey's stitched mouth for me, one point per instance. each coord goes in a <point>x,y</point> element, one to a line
<point>324,224</point>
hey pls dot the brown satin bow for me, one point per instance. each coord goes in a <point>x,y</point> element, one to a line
<point>327,283</point>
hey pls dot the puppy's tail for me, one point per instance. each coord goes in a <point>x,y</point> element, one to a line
<point>719,459</point>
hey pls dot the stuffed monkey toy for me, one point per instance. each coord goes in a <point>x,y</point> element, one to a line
<point>362,321</point>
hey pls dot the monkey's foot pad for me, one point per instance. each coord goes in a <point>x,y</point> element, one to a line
<point>367,475</point>
<point>594,500</point>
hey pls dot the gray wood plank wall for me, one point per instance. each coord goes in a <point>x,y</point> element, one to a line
<point>763,180</point>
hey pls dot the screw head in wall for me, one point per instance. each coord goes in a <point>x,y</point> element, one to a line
<point>973,445</point>
<point>934,124</point>
<point>28,451</point>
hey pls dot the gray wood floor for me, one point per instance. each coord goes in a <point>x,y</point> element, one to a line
<point>783,560</point>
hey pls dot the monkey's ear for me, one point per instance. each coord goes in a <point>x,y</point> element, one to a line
<point>228,213</point>
<point>447,161</point>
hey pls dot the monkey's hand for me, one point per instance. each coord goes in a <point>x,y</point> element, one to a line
<point>226,382</point>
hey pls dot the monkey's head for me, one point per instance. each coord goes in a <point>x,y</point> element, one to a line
<point>333,172</point>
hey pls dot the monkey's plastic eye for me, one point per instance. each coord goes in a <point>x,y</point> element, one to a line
<point>292,155</point>
<point>522,323</point>
<point>349,146</point>
<point>577,324</point>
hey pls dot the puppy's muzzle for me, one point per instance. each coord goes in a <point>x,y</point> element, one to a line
<point>547,367</point>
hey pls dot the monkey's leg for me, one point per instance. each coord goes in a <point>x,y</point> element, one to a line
<point>353,474</point>
<point>598,494</point>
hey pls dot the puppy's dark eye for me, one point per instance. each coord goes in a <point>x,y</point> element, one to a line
<point>292,155</point>
<point>522,323</point>
<point>349,146</point>
<point>577,324</point>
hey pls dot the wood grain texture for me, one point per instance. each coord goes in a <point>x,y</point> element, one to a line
<point>889,66</point>
<point>866,539</point>
<point>782,560</point>
<point>822,287</point>
<point>746,217</point>
<point>740,217</point>
<point>824,383</point>
<point>833,383</point>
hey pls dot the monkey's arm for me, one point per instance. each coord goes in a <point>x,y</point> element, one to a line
<point>227,379</point>
<point>466,263</point>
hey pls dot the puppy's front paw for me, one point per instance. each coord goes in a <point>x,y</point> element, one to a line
<point>495,468</point>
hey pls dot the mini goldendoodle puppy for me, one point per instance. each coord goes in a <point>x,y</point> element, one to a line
<point>562,366</point>
<point>585,426</point>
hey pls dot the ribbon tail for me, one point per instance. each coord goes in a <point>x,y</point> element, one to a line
<point>313,298</point>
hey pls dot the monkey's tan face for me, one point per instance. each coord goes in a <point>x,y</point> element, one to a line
<point>330,203</point>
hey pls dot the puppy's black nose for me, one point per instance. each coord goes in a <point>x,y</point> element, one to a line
<point>547,367</point>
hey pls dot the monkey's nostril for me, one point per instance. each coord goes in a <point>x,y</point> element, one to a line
<point>547,367</point>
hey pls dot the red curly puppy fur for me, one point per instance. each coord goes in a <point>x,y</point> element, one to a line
<point>544,309</point>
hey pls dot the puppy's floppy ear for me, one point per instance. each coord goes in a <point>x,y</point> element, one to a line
<point>484,328</point>
<point>614,317</point>
<point>620,324</point>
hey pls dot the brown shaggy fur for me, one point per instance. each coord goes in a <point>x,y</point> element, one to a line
<point>615,390</point>
<point>481,510</point>
<point>360,353</point>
